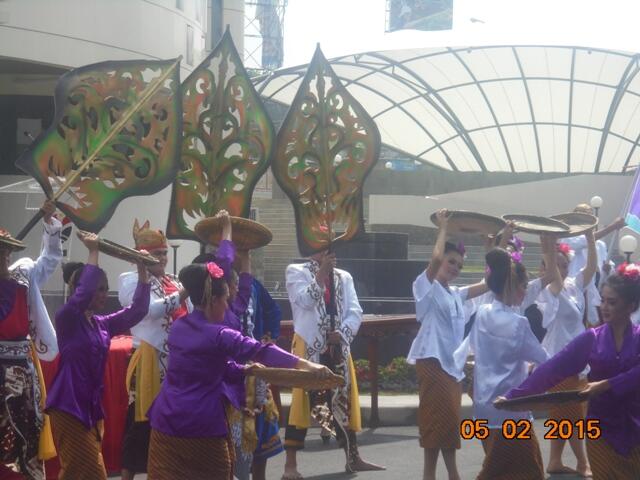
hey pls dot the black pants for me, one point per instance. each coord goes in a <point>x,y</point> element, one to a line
<point>135,444</point>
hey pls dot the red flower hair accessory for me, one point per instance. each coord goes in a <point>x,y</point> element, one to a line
<point>630,271</point>
<point>214,270</point>
<point>564,248</point>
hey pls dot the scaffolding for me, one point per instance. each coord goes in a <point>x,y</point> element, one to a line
<point>263,35</point>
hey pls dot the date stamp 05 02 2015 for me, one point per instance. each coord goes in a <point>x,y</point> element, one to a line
<point>521,429</point>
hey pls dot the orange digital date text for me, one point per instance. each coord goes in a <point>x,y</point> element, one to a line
<point>521,429</point>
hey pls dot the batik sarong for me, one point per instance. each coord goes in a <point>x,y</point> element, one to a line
<point>511,459</point>
<point>172,458</point>
<point>569,411</point>
<point>607,464</point>
<point>305,404</point>
<point>79,448</point>
<point>267,424</point>
<point>21,418</point>
<point>439,407</point>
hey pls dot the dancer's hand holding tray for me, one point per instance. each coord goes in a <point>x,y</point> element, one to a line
<point>470,223</point>
<point>542,401</point>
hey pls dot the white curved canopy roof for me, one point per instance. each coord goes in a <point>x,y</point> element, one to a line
<point>495,108</point>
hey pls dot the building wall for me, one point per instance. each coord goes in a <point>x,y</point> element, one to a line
<point>71,33</point>
<point>52,36</point>
<point>545,197</point>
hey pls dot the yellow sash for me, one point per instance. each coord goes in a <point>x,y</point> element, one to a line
<point>299,412</point>
<point>46,447</point>
<point>144,364</point>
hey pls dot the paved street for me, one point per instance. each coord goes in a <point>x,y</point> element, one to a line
<point>395,447</point>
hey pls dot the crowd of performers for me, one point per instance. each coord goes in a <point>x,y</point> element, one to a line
<point>577,351</point>
<point>196,412</point>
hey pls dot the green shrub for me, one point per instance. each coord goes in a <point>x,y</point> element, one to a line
<point>397,376</point>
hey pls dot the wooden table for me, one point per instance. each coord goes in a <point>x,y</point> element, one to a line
<point>373,328</point>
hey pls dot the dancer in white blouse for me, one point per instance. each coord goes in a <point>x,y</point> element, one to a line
<point>507,241</point>
<point>26,337</point>
<point>603,264</point>
<point>564,322</point>
<point>439,309</point>
<point>503,343</point>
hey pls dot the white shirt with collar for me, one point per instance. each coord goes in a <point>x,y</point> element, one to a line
<point>154,327</point>
<point>534,289</point>
<point>310,319</point>
<point>579,261</point>
<point>442,317</point>
<point>503,344</point>
<point>34,275</point>
<point>564,320</point>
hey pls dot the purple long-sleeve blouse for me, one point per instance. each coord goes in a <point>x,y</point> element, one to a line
<point>78,385</point>
<point>225,256</point>
<point>617,409</point>
<point>191,402</point>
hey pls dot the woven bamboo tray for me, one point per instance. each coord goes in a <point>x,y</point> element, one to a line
<point>246,234</point>
<point>116,250</point>
<point>542,401</point>
<point>289,377</point>
<point>537,225</point>
<point>13,243</point>
<point>579,223</point>
<point>469,223</point>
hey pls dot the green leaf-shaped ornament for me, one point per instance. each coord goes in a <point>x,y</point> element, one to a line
<point>228,142</point>
<point>140,159</point>
<point>326,147</point>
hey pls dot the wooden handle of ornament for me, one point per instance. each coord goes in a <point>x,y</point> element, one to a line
<point>32,223</point>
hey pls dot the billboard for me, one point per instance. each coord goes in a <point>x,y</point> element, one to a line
<point>419,15</point>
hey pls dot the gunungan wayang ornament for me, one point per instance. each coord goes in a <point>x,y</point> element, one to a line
<point>326,147</point>
<point>116,133</point>
<point>228,142</point>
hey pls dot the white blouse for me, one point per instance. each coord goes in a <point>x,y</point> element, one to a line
<point>534,288</point>
<point>34,275</point>
<point>503,343</point>
<point>579,246</point>
<point>441,315</point>
<point>154,327</point>
<point>563,319</point>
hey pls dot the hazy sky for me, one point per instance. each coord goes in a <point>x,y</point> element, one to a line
<point>352,26</point>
